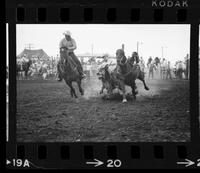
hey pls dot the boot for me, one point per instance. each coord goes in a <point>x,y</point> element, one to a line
<point>59,78</point>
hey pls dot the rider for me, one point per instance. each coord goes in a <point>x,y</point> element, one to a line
<point>134,58</point>
<point>121,59</point>
<point>69,43</point>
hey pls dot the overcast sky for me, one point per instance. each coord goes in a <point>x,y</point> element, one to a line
<point>108,38</point>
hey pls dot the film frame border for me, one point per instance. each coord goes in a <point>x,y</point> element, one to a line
<point>100,14</point>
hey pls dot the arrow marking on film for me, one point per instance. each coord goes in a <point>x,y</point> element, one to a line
<point>8,162</point>
<point>96,163</point>
<point>186,163</point>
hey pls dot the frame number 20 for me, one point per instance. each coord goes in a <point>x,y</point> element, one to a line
<point>114,163</point>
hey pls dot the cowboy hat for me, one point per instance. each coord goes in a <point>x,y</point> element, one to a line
<point>134,53</point>
<point>67,33</point>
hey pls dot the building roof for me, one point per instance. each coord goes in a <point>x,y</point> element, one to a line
<point>33,53</point>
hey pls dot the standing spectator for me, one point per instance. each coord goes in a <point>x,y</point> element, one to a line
<point>142,64</point>
<point>163,68</point>
<point>180,70</point>
<point>168,75</point>
<point>157,61</point>
<point>152,67</point>
<point>149,61</point>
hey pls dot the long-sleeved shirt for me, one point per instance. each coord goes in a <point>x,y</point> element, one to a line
<point>180,65</point>
<point>70,45</point>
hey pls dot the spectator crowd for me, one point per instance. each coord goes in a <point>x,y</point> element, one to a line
<point>155,67</point>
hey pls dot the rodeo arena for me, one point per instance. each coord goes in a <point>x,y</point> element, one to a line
<point>149,103</point>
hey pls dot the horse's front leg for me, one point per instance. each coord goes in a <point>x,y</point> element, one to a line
<point>102,88</point>
<point>141,77</point>
<point>124,97</point>
<point>123,92</point>
<point>80,88</point>
<point>109,91</point>
<point>72,91</point>
<point>134,91</point>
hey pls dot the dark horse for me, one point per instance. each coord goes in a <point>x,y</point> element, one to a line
<point>127,73</point>
<point>23,67</point>
<point>69,72</point>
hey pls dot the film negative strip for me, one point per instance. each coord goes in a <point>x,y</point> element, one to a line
<point>102,84</point>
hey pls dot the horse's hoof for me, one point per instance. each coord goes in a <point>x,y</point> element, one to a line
<point>146,88</point>
<point>124,101</point>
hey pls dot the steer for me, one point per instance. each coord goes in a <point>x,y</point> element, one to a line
<point>108,79</point>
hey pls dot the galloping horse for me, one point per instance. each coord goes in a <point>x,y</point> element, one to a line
<point>23,67</point>
<point>128,74</point>
<point>69,72</point>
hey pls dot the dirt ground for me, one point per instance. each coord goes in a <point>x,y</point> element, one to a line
<point>47,113</point>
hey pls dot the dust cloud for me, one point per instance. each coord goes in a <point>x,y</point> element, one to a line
<point>92,87</point>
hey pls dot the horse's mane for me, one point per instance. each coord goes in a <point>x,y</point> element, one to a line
<point>67,61</point>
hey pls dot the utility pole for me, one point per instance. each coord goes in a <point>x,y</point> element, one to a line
<point>162,47</point>
<point>138,43</point>
<point>29,46</point>
<point>92,49</point>
<point>123,47</point>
